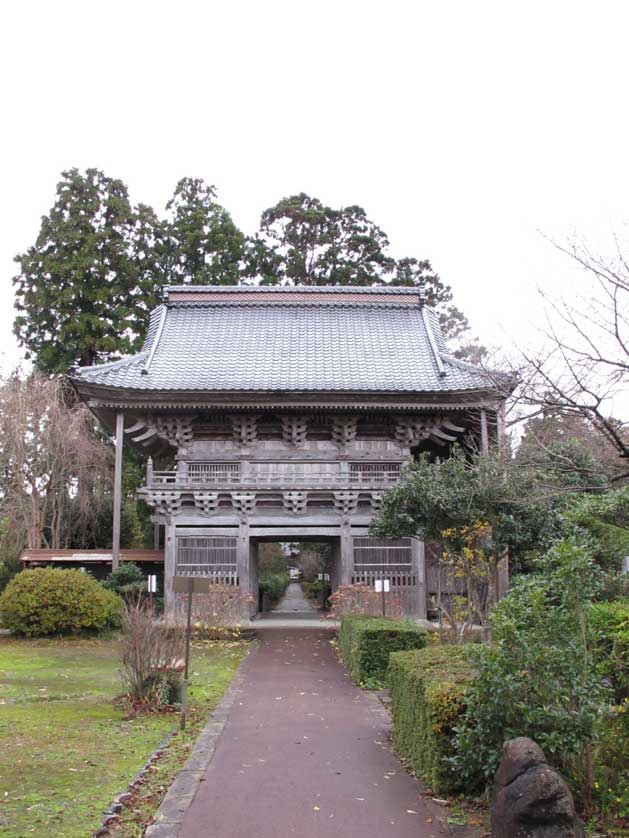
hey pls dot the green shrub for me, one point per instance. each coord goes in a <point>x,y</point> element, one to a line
<point>611,760</point>
<point>127,579</point>
<point>52,601</point>
<point>366,642</point>
<point>274,585</point>
<point>609,628</point>
<point>537,677</point>
<point>428,689</point>
<point>8,569</point>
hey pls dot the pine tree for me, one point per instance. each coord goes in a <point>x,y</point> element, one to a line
<point>85,288</point>
<point>203,245</point>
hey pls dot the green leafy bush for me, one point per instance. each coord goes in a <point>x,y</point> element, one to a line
<point>52,601</point>
<point>604,520</point>
<point>274,585</point>
<point>8,569</point>
<point>611,760</point>
<point>127,579</point>
<point>609,629</point>
<point>366,642</point>
<point>537,678</point>
<point>428,690</point>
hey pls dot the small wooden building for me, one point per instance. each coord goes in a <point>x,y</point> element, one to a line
<point>282,414</point>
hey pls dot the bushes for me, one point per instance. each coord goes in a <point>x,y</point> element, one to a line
<point>609,628</point>
<point>51,601</point>
<point>611,760</point>
<point>361,598</point>
<point>151,656</point>
<point>274,585</point>
<point>8,569</point>
<point>127,580</point>
<point>366,642</point>
<point>537,679</point>
<point>427,698</point>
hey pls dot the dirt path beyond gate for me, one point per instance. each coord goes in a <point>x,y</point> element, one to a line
<point>306,753</point>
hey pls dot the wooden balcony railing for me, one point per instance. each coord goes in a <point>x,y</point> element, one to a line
<point>365,476</point>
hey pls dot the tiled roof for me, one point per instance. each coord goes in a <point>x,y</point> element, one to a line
<point>58,555</point>
<point>312,346</point>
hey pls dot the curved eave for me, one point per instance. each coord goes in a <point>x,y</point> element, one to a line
<point>102,396</point>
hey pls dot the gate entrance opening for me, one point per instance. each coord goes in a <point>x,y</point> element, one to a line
<point>313,569</point>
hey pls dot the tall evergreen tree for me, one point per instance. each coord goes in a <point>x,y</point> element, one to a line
<point>85,287</point>
<point>303,242</point>
<point>203,246</point>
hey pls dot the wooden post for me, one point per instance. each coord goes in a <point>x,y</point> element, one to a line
<point>170,547</point>
<point>484,435</point>
<point>115,550</point>
<point>418,554</point>
<point>347,554</point>
<point>243,562</point>
<point>156,536</point>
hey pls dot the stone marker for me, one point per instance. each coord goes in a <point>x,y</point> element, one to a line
<point>530,799</point>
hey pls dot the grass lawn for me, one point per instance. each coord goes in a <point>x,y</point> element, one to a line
<point>66,748</point>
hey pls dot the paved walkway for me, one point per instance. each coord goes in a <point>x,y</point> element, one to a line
<point>305,753</point>
<point>293,601</point>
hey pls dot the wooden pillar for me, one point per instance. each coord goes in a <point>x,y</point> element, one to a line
<point>347,554</point>
<point>115,540</point>
<point>170,546</point>
<point>418,554</point>
<point>243,563</point>
<point>156,536</point>
<point>484,435</point>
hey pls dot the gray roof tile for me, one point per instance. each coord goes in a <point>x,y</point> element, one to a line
<point>305,346</point>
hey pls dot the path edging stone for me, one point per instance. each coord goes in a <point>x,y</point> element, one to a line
<point>169,817</point>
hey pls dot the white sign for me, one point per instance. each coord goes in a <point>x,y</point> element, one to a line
<point>320,577</point>
<point>151,584</point>
<point>379,583</point>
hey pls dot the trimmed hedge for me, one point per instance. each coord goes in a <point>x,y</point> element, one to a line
<point>274,585</point>
<point>427,690</point>
<point>53,601</point>
<point>366,642</point>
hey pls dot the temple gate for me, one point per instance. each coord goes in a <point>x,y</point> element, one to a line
<point>284,413</point>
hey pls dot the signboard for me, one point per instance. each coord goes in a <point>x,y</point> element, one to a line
<point>191,584</point>
<point>383,586</point>
<point>151,584</point>
<point>323,577</point>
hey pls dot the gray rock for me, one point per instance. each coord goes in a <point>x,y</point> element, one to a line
<point>530,799</point>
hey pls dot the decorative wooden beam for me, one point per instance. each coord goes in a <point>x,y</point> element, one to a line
<point>206,502</point>
<point>295,502</point>
<point>344,429</point>
<point>294,429</point>
<point>244,428</point>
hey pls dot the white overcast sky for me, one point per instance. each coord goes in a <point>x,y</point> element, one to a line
<point>463,128</point>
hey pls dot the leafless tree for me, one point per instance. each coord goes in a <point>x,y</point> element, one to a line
<point>49,452</point>
<point>583,366</point>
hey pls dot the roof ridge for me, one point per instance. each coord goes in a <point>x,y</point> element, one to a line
<point>410,306</point>
<point>462,365</point>
<point>125,361</point>
<point>290,289</point>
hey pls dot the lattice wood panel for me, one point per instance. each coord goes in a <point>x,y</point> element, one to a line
<point>214,472</point>
<point>213,556</point>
